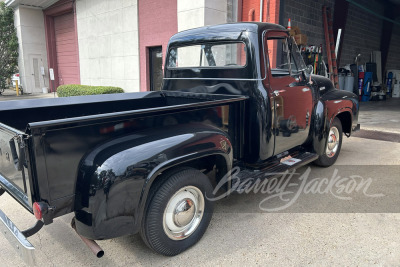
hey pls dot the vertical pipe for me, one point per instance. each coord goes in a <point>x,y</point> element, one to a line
<point>339,35</point>
<point>239,4</point>
<point>16,87</point>
<point>261,10</point>
<point>281,17</point>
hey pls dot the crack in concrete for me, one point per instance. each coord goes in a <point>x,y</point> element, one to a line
<point>41,248</point>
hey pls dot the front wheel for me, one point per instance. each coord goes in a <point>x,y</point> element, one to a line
<point>333,145</point>
<point>178,213</point>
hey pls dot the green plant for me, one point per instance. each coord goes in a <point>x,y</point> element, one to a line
<point>77,89</point>
<point>8,44</point>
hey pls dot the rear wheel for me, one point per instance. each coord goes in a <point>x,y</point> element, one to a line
<point>178,212</point>
<point>333,146</point>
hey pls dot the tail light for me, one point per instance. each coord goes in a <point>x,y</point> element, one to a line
<point>39,208</point>
<point>37,211</point>
<point>17,75</point>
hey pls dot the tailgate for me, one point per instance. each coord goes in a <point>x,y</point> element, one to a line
<point>13,167</point>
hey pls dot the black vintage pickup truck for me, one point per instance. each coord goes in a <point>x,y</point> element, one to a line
<point>233,95</point>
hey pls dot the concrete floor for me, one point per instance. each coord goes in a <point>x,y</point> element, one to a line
<point>12,95</point>
<point>317,229</point>
<point>380,115</point>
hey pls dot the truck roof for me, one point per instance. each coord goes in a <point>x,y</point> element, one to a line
<point>223,31</point>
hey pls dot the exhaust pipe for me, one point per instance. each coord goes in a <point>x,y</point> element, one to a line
<point>92,245</point>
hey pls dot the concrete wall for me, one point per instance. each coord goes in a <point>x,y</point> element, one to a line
<point>108,43</point>
<point>154,32</point>
<point>31,37</point>
<point>394,51</point>
<point>193,14</point>
<point>232,11</point>
<point>307,15</point>
<point>363,32</point>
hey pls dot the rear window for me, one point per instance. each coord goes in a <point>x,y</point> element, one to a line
<point>208,56</point>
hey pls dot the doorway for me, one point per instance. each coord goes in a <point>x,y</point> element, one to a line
<point>37,71</point>
<point>62,43</point>
<point>155,68</point>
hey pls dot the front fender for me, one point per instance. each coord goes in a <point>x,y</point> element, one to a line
<point>116,176</point>
<point>329,106</point>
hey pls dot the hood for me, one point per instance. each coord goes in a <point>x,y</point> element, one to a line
<point>323,84</point>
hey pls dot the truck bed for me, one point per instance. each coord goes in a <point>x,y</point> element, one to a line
<point>55,134</point>
<point>19,113</point>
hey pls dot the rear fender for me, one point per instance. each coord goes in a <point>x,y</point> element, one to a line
<point>115,178</point>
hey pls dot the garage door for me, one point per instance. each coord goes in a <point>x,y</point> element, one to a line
<point>66,47</point>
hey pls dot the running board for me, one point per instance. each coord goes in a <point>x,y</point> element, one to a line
<point>294,161</point>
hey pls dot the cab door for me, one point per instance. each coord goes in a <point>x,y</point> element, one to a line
<point>291,97</point>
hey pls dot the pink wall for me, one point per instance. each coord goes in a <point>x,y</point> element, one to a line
<point>157,23</point>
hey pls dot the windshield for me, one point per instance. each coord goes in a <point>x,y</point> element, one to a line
<point>208,55</point>
<point>297,61</point>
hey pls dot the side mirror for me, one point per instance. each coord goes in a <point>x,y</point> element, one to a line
<point>310,69</point>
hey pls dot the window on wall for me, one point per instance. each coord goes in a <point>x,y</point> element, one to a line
<point>155,68</point>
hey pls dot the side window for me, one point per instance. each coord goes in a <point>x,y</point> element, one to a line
<point>298,64</point>
<point>294,68</point>
<point>278,56</point>
<point>284,57</point>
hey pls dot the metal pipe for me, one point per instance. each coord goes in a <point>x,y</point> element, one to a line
<point>16,87</point>
<point>261,10</point>
<point>92,245</point>
<point>339,35</point>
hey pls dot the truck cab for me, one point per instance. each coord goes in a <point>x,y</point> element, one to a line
<point>287,107</point>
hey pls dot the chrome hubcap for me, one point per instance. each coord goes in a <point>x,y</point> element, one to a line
<point>333,142</point>
<point>183,213</point>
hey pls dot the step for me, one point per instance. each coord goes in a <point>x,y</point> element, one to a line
<point>250,176</point>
